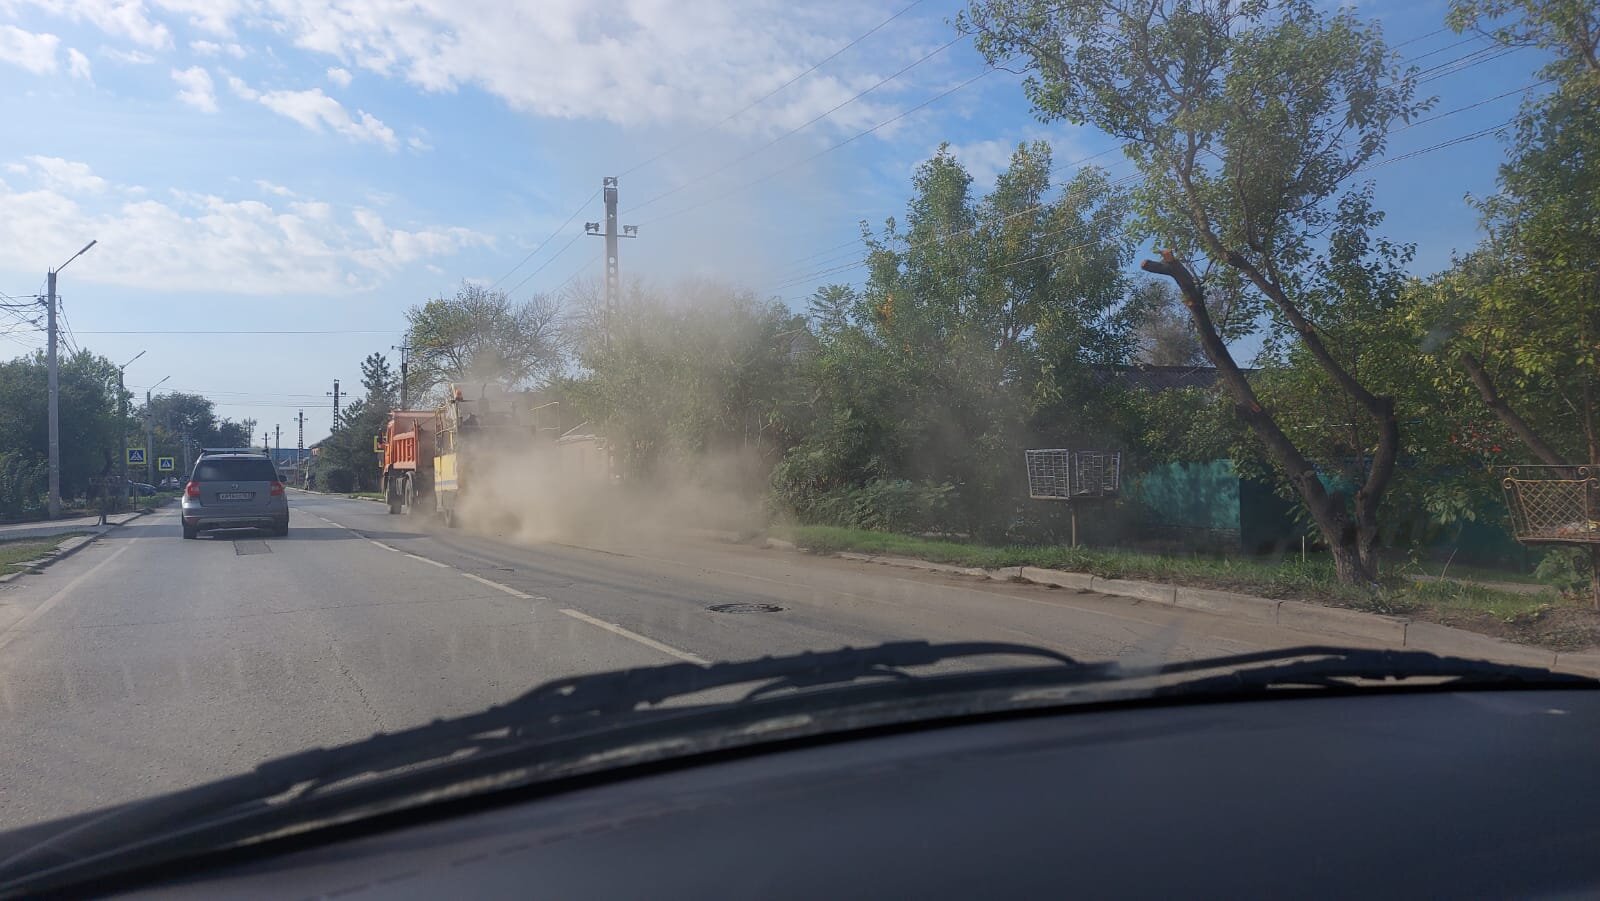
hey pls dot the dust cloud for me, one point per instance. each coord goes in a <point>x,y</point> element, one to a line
<point>567,493</point>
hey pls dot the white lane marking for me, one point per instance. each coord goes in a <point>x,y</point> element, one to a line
<point>505,588</point>
<point>635,636</point>
<point>429,562</point>
<point>385,546</point>
<point>16,628</point>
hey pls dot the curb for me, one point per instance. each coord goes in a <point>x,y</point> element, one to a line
<point>1338,621</point>
<point>66,549</point>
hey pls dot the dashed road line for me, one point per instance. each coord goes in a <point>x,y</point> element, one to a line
<point>429,562</point>
<point>505,588</point>
<point>385,546</point>
<point>635,636</point>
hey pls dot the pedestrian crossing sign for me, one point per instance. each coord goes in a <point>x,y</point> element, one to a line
<point>135,456</point>
<point>165,464</point>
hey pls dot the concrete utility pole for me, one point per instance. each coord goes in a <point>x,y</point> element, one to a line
<point>405,372</point>
<point>335,395</point>
<point>150,427</point>
<point>277,443</point>
<point>266,445</point>
<point>55,385</point>
<point>613,273</point>
<point>300,442</point>
<point>122,406</point>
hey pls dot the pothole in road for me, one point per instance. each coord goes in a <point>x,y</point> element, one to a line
<point>745,608</point>
<point>246,548</point>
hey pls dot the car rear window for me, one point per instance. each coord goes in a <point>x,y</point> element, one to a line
<point>235,471</point>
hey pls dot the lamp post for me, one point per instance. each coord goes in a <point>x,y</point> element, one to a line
<point>122,406</point>
<point>55,386</point>
<point>149,426</point>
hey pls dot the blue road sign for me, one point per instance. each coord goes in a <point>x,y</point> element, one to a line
<point>135,456</point>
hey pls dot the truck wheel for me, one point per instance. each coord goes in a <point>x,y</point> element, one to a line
<point>393,497</point>
<point>449,517</point>
<point>408,497</point>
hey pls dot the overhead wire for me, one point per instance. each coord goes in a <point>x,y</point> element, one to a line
<point>777,90</point>
<point>797,129</point>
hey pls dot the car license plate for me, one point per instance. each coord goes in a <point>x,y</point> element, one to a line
<point>235,495</point>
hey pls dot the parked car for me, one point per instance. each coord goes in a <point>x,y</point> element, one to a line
<point>142,489</point>
<point>169,483</point>
<point>235,491</point>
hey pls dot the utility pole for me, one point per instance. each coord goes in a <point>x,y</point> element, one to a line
<point>613,273</point>
<point>335,395</point>
<point>150,427</point>
<point>405,373</point>
<point>55,386</point>
<point>277,443</point>
<point>122,407</point>
<point>300,442</point>
<point>266,444</point>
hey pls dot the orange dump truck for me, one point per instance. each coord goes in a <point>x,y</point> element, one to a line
<point>408,459</point>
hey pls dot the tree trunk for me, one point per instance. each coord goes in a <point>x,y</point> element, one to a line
<point>1502,410</point>
<point>1353,544</point>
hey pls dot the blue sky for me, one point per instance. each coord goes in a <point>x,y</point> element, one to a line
<point>321,165</point>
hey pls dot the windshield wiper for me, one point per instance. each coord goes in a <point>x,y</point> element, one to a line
<point>1319,666</point>
<point>551,709</point>
<point>616,699</point>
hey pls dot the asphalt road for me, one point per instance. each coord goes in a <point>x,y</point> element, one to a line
<point>147,663</point>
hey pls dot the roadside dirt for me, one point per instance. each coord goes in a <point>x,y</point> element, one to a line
<point>1559,627</point>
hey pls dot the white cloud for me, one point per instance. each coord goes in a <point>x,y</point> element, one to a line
<point>16,168</point>
<point>242,90</point>
<point>316,111</point>
<point>338,76</point>
<point>210,16</point>
<point>125,19</point>
<point>198,242</point>
<point>984,160</point>
<point>212,49</point>
<point>130,57</point>
<point>34,52</point>
<point>271,188</point>
<point>78,65</point>
<point>65,175</point>
<point>637,62</point>
<point>195,88</point>
<point>419,144</point>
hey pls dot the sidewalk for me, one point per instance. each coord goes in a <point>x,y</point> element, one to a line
<point>91,524</point>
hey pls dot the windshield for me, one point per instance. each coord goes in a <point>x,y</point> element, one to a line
<point>359,371</point>
<point>235,470</point>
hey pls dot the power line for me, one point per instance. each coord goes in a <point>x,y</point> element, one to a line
<point>798,128</point>
<point>775,91</point>
<point>389,331</point>
<point>541,245</point>
<point>547,262</point>
<point>987,71</point>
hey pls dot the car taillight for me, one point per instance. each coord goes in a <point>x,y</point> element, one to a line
<point>191,490</point>
<point>277,489</point>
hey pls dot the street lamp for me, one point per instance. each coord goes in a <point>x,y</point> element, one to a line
<point>122,405</point>
<point>55,385</point>
<point>149,426</point>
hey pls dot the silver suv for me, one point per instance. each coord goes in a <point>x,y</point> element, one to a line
<point>235,491</point>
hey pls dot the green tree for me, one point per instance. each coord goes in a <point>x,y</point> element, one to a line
<point>706,373</point>
<point>481,335</point>
<point>978,327</point>
<point>1246,121</point>
<point>380,382</point>
<point>1520,316</point>
<point>90,415</point>
<point>1166,333</point>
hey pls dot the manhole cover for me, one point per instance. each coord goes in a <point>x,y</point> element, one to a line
<point>246,548</point>
<point>744,608</point>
